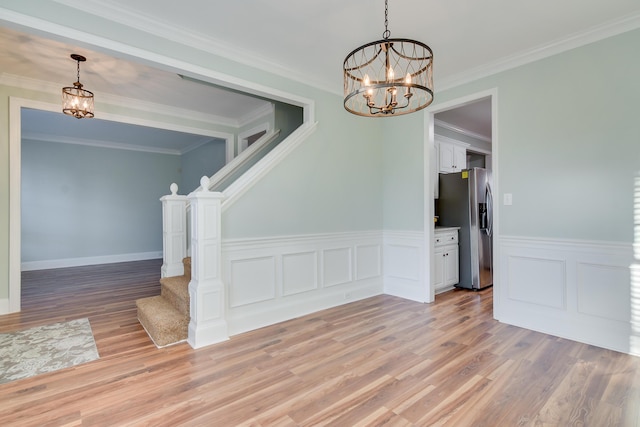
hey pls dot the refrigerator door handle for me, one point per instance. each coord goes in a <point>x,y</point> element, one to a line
<point>489,200</point>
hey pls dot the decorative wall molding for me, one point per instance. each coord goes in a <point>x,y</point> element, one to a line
<point>273,279</point>
<point>94,260</point>
<point>404,265</point>
<point>580,290</point>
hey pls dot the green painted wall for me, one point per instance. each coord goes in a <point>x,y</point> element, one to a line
<point>403,184</point>
<point>569,141</point>
<point>332,182</point>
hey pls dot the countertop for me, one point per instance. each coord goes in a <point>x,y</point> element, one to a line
<point>445,229</point>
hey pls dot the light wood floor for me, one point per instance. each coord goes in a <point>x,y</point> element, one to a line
<point>380,361</point>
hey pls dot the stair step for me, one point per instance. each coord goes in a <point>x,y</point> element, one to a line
<point>162,321</point>
<point>176,291</point>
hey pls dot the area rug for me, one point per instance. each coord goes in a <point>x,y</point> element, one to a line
<point>46,349</point>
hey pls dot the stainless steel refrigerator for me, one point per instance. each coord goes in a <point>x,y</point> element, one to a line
<point>465,201</point>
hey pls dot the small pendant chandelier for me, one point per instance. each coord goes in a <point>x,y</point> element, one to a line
<point>76,101</point>
<point>388,77</point>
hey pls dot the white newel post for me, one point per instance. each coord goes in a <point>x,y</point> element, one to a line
<point>208,324</point>
<point>174,233</point>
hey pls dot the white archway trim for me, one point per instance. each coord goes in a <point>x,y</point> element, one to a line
<point>429,182</point>
<point>15,158</point>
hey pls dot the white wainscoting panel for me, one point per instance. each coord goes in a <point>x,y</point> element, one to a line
<point>299,272</point>
<point>537,280</point>
<point>580,290</point>
<point>368,259</point>
<point>604,290</point>
<point>404,264</point>
<point>337,266</point>
<point>254,280</point>
<point>270,280</point>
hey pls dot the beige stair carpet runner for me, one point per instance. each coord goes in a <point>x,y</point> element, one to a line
<point>166,317</point>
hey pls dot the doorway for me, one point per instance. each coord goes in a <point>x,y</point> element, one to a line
<point>445,118</point>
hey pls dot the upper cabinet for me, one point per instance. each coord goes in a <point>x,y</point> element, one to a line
<point>452,155</point>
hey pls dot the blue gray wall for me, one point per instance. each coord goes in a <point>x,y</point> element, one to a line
<point>80,201</point>
<point>206,159</point>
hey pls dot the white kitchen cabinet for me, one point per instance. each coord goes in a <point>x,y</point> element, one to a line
<point>446,258</point>
<point>452,157</point>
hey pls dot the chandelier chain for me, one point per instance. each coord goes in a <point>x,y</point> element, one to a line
<point>386,33</point>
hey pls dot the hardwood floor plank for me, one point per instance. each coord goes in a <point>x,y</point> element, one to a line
<point>379,361</point>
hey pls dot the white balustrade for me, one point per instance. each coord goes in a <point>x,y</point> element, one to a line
<point>208,323</point>
<point>174,232</point>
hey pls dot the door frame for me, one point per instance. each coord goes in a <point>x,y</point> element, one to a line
<point>16,104</point>
<point>429,182</point>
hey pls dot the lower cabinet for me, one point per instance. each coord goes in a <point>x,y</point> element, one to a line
<point>446,259</point>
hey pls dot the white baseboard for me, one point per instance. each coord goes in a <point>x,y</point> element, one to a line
<point>581,290</point>
<point>79,262</point>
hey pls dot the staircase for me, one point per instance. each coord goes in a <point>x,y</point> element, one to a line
<point>166,317</point>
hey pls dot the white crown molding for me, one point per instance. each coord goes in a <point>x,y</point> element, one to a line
<point>119,101</point>
<point>599,32</point>
<point>61,139</point>
<point>461,130</point>
<point>140,22</point>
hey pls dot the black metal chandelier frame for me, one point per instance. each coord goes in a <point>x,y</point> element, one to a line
<point>76,101</point>
<point>388,77</point>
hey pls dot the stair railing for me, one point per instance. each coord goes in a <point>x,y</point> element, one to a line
<point>176,209</point>
<point>192,225</point>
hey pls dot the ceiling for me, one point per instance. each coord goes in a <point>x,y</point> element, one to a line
<point>46,63</point>
<point>308,41</point>
<point>473,119</point>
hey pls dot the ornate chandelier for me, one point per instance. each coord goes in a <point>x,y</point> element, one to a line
<point>388,77</point>
<point>76,101</point>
